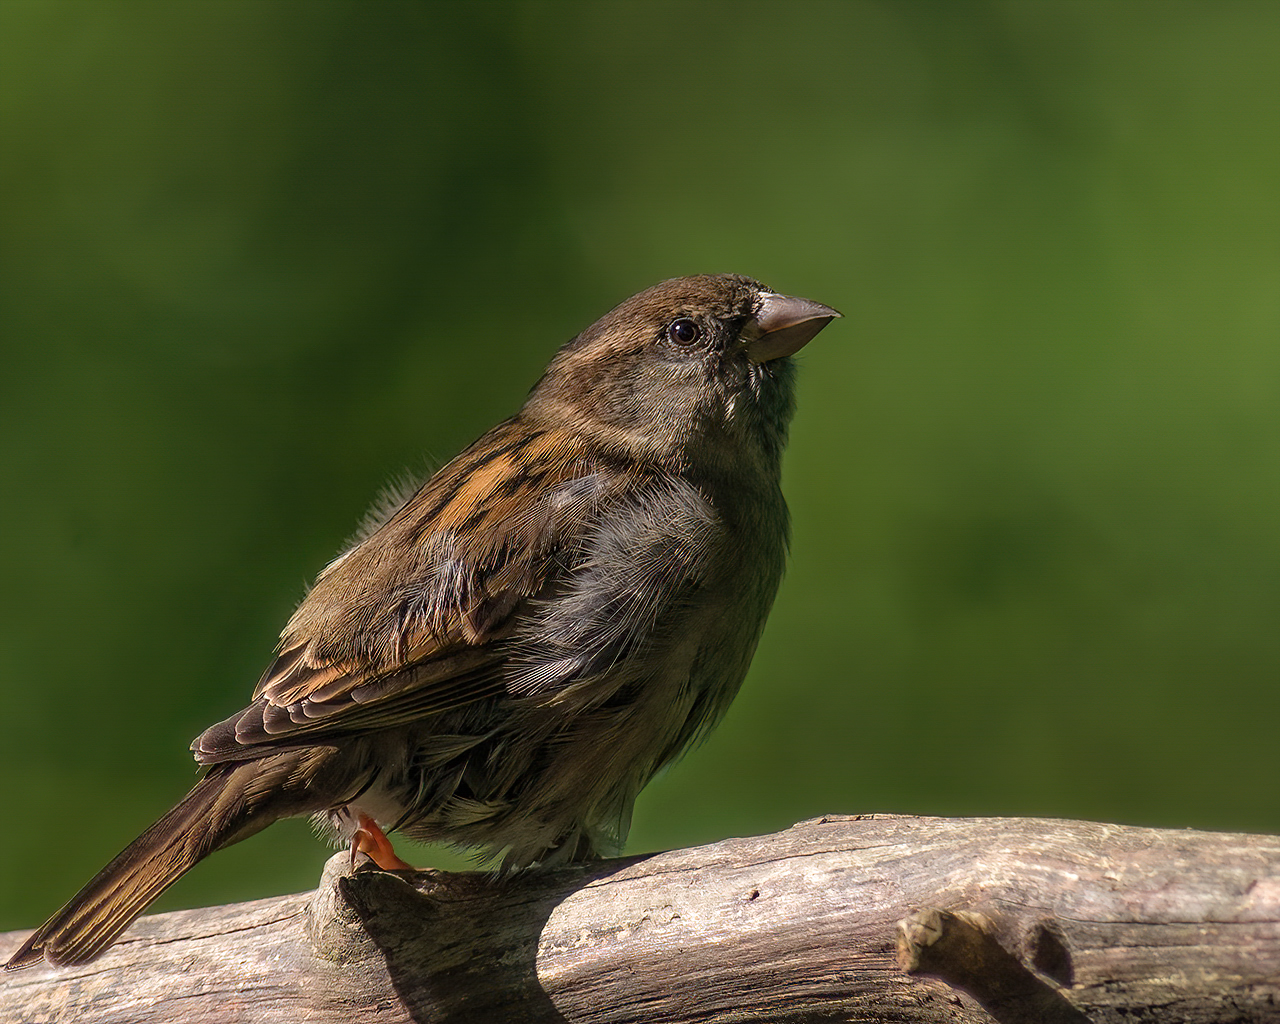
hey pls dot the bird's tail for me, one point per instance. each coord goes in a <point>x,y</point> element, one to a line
<point>231,803</point>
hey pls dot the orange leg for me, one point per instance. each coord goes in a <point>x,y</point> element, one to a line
<point>370,840</point>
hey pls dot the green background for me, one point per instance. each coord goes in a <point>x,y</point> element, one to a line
<point>257,258</point>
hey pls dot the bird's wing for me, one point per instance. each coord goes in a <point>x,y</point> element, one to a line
<point>410,621</point>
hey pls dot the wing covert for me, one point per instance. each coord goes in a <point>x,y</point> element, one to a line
<point>412,620</point>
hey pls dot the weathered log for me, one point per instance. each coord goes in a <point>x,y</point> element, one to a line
<point>876,918</point>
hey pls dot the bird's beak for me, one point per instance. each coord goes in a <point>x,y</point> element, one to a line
<point>783,324</point>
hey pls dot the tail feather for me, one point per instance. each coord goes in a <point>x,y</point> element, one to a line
<point>220,810</point>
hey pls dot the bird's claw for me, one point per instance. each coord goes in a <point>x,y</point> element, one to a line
<point>370,840</point>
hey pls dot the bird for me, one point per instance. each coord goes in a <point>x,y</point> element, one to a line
<point>504,657</point>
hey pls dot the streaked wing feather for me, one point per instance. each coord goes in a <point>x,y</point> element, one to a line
<point>411,621</point>
<point>404,697</point>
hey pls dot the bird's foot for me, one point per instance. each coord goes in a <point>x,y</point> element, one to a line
<point>370,840</point>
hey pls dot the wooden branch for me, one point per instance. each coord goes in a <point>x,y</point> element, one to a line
<point>866,918</point>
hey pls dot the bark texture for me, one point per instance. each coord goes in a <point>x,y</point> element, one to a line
<point>873,918</point>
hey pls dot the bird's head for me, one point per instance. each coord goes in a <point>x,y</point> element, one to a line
<point>693,370</point>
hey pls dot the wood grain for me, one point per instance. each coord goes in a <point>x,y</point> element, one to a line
<point>874,918</point>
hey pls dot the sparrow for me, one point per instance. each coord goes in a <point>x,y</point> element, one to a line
<point>505,657</point>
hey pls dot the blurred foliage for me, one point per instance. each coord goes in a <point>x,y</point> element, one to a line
<point>256,258</point>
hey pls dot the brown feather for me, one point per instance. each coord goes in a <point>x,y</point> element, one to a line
<point>505,657</point>
<point>227,805</point>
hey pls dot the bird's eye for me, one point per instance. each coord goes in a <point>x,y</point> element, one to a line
<point>683,331</point>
